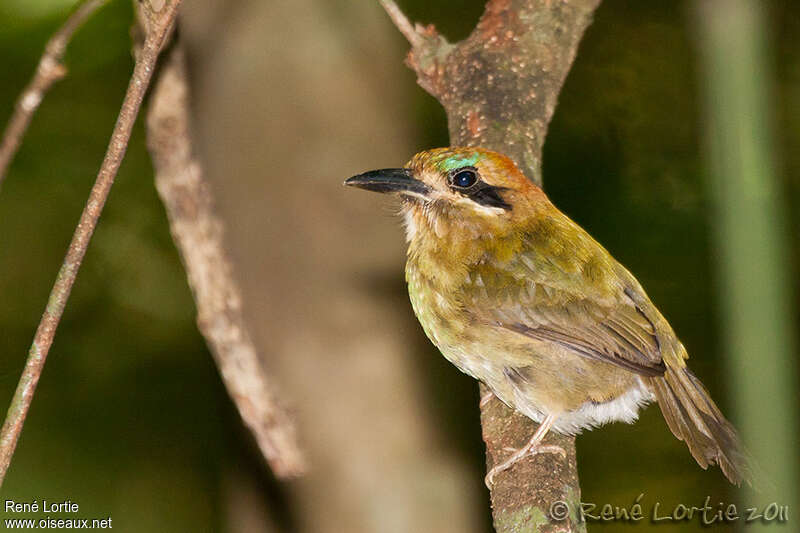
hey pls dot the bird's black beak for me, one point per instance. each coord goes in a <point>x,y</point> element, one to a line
<point>388,180</point>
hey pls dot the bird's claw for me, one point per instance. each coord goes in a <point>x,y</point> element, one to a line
<point>551,448</point>
<point>519,454</point>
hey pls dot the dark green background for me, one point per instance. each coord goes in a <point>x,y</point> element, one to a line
<point>130,419</point>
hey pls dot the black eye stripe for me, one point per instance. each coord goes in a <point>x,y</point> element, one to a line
<point>466,181</point>
<point>489,196</point>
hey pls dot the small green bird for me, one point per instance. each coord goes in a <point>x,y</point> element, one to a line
<point>517,295</point>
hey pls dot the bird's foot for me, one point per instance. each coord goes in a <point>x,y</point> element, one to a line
<point>544,448</point>
<point>533,446</point>
<point>520,454</point>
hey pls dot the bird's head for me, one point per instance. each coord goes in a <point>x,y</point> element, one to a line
<point>469,192</point>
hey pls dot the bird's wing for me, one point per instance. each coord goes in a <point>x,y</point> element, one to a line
<point>562,287</point>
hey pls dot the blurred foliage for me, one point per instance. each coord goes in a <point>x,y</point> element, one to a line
<point>130,419</point>
<point>749,227</point>
<point>29,11</point>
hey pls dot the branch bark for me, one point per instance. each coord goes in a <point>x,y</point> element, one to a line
<point>49,70</point>
<point>198,233</point>
<point>499,88</point>
<point>160,22</point>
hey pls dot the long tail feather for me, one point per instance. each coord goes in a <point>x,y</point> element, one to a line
<point>693,418</point>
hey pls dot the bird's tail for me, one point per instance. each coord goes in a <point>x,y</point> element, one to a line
<point>694,418</point>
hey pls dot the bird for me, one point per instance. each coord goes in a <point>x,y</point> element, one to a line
<point>517,295</point>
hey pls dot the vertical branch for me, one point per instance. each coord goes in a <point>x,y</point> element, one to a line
<point>161,21</point>
<point>499,88</point>
<point>198,233</point>
<point>749,228</point>
<point>48,71</point>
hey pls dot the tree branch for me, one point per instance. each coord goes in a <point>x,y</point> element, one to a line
<point>48,71</point>
<point>499,88</point>
<point>198,233</point>
<point>161,19</point>
<point>403,24</point>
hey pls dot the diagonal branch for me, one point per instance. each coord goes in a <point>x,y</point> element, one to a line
<point>198,233</point>
<point>48,71</point>
<point>161,22</point>
<point>499,88</point>
<point>403,24</point>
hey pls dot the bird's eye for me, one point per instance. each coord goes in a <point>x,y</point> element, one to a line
<point>464,178</point>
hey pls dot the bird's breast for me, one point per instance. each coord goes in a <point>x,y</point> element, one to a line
<point>434,305</point>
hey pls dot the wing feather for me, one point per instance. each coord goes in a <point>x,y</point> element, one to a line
<point>574,295</point>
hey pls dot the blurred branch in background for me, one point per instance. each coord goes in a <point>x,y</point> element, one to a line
<point>499,88</point>
<point>750,230</point>
<point>49,70</point>
<point>198,233</point>
<point>288,99</point>
<point>160,21</point>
